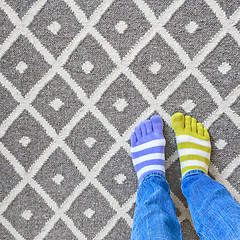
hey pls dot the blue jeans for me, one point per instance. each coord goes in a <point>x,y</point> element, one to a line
<point>215,213</point>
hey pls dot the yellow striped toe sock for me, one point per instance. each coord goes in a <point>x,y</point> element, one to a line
<point>193,142</point>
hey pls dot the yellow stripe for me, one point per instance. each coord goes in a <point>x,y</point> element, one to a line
<point>193,145</point>
<point>189,132</point>
<point>194,157</point>
<point>186,169</point>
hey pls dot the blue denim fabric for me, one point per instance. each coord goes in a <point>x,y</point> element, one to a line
<point>155,216</point>
<point>215,213</point>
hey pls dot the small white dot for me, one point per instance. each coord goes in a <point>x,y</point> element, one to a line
<point>188,105</point>
<point>25,141</point>
<point>89,213</point>
<point>58,178</point>
<point>155,67</point>
<point>121,27</point>
<point>21,67</point>
<point>191,27</point>
<point>56,104</point>
<point>120,104</point>
<point>224,68</point>
<point>87,67</point>
<point>54,27</point>
<point>90,142</point>
<point>27,214</point>
<point>220,144</point>
<point>120,178</point>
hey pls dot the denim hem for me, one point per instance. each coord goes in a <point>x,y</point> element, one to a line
<point>153,174</point>
<point>193,172</point>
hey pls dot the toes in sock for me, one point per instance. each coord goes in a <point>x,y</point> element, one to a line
<point>193,143</point>
<point>147,148</point>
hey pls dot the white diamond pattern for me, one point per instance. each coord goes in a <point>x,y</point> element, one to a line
<point>155,67</point>
<point>224,68</point>
<point>120,104</point>
<point>120,178</point>
<point>188,105</point>
<point>21,67</point>
<point>121,141</point>
<point>87,67</point>
<point>89,213</point>
<point>58,179</point>
<point>191,27</point>
<point>54,27</point>
<point>25,141</point>
<point>121,27</point>
<point>27,214</point>
<point>56,104</point>
<point>89,142</point>
<point>220,144</point>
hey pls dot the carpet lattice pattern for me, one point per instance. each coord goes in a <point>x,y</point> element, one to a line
<point>76,76</point>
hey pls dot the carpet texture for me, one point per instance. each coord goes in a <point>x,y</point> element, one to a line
<point>76,76</point>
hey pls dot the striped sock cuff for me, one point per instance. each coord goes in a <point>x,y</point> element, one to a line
<point>149,157</point>
<point>194,153</point>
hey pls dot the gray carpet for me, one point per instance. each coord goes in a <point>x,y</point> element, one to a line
<point>76,76</point>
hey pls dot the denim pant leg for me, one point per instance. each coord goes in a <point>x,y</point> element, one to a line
<point>155,216</point>
<point>215,213</point>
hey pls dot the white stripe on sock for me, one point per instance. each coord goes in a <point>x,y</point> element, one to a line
<point>187,138</point>
<point>153,143</point>
<point>149,168</point>
<point>148,157</point>
<point>193,151</point>
<point>189,163</point>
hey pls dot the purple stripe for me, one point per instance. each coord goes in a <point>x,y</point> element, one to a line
<point>151,171</point>
<point>149,162</point>
<point>158,149</point>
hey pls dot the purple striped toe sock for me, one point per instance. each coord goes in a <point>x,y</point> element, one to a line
<point>147,148</point>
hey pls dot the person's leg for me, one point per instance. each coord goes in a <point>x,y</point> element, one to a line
<point>215,213</point>
<point>154,216</point>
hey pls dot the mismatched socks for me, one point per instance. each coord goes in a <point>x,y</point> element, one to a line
<point>148,145</point>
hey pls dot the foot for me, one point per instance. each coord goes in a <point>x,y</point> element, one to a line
<point>193,143</point>
<point>147,148</point>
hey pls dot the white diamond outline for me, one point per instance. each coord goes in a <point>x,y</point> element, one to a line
<point>231,30</point>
